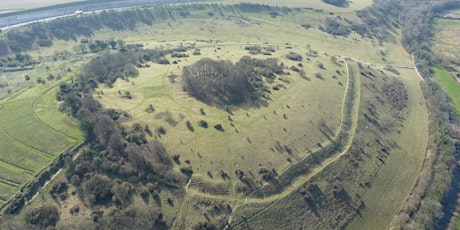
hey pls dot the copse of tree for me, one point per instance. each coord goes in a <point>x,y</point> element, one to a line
<point>223,83</point>
<point>294,56</point>
<point>217,82</point>
<point>98,190</point>
<point>332,26</point>
<point>43,217</point>
<point>339,3</point>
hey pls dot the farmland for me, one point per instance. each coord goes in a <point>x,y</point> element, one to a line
<point>336,140</point>
<point>34,132</point>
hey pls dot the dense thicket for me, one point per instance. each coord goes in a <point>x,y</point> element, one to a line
<point>332,26</point>
<point>224,83</point>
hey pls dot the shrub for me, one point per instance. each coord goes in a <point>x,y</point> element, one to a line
<point>203,124</point>
<point>219,127</point>
<point>306,26</point>
<point>294,56</point>
<point>332,26</point>
<point>97,189</point>
<point>44,216</point>
<point>189,126</point>
<point>150,109</point>
<point>319,76</point>
<point>163,61</point>
<point>196,52</point>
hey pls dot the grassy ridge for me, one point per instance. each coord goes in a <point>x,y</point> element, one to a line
<point>398,175</point>
<point>301,115</point>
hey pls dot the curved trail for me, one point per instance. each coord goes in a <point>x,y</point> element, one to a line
<point>354,84</point>
<point>300,181</point>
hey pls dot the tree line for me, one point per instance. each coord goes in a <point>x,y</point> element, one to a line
<point>427,206</point>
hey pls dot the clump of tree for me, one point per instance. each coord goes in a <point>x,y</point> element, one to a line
<point>70,28</point>
<point>306,26</point>
<point>224,83</point>
<point>255,49</point>
<point>18,60</point>
<point>43,217</point>
<point>339,3</point>
<point>332,26</point>
<point>294,56</point>
<point>391,69</point>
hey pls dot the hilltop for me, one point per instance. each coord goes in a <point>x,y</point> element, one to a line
<point>213,116</point>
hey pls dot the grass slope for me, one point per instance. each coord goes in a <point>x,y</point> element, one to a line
<point>398,175</point>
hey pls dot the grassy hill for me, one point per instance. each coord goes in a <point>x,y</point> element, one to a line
<point>339,143</point>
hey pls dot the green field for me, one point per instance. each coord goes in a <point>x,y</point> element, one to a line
<point>451,86</point>
<point>33,132</point>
